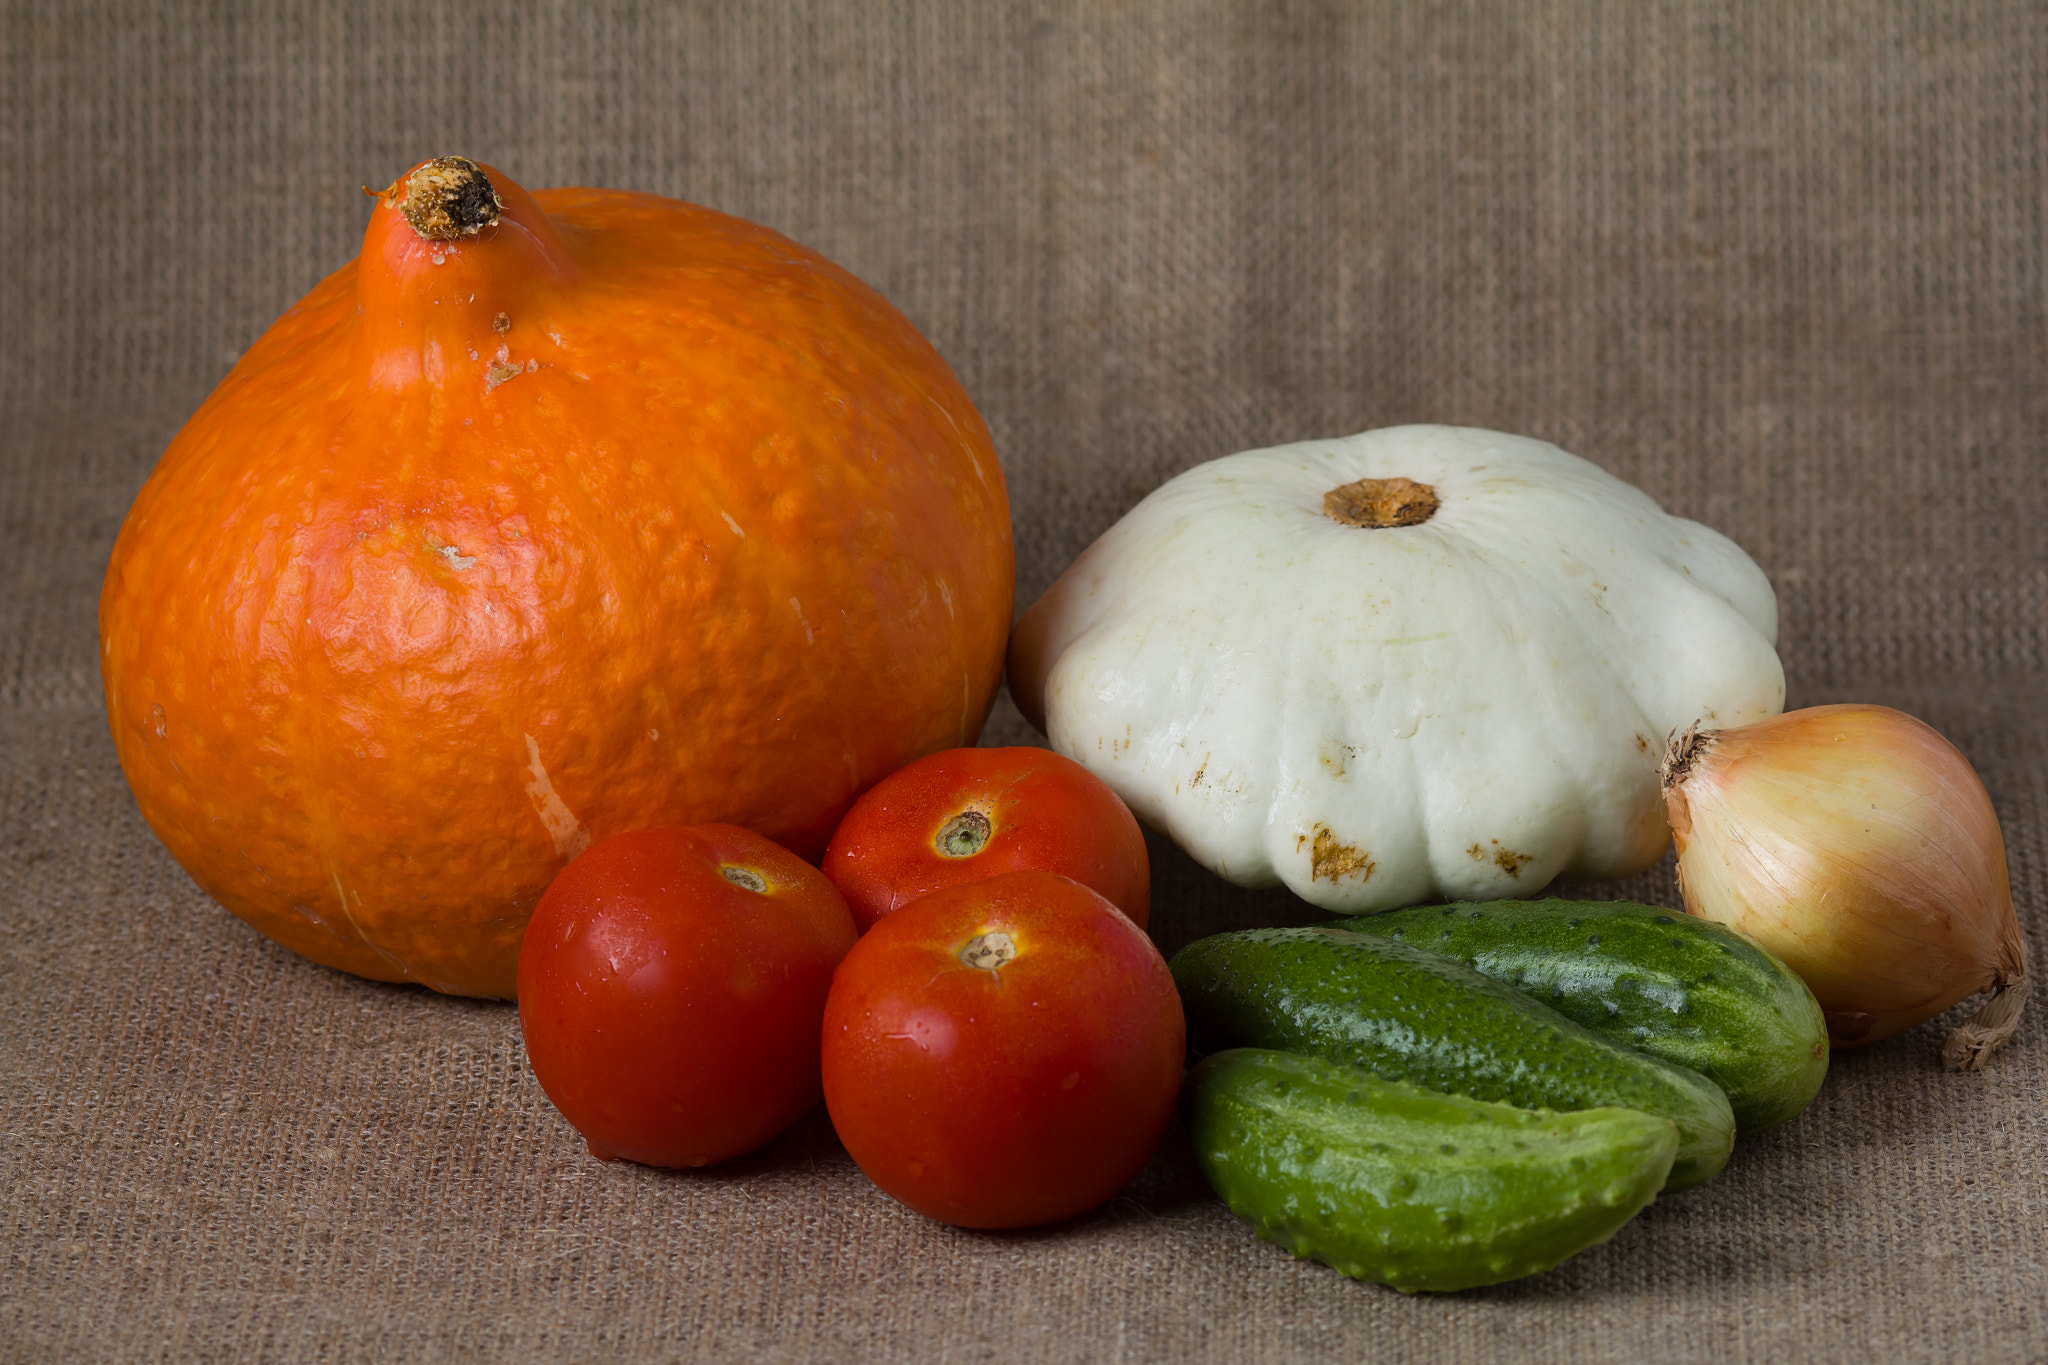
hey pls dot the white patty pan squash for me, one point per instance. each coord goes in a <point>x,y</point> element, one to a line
<point>1419,662</point>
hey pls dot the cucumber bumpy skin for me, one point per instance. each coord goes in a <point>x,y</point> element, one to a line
<point>1408,1015</point>
<point>1688,990</point>
<point>1409,1188</point>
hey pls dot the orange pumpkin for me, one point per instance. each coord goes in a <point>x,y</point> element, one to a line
<point>551,516</point>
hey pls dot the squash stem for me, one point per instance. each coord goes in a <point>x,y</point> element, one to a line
<point>449,197</point>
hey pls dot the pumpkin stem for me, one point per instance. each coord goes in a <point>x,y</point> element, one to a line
<point>1380,503</point>
<point>450,197</point>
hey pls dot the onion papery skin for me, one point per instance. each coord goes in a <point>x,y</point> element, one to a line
<point>1858,845</point>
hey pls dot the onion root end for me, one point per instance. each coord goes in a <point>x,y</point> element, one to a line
<point>1969,1045</point>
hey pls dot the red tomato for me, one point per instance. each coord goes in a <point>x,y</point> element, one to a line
<point>670,989</point>
<point>1005,1053</point>
<point>964,814</point>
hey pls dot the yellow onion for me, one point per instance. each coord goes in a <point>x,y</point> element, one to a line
<point>1859,846</point>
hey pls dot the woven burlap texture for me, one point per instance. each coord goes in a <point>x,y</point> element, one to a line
<point>1781,265</point>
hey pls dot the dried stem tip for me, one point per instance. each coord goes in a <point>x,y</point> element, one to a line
<point>450,197</point>
<point>1680,752</point>
<point>1969,1044</point>
<point>1381,503</point>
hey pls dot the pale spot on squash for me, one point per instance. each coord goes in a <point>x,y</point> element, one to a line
<point>456,559</point>
<point>1506,859</point>
<point>570,837</point>
<point>258,866</point>
<point>1329,857</point>
<point>342,893</point>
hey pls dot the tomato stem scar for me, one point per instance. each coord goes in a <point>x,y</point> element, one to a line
<point>989,951</point>
<point>745,878</point>
<point>964,835</point>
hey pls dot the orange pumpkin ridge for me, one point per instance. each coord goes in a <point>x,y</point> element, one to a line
<point>606,513</point>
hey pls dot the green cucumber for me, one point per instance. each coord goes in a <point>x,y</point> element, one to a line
<point>1687,990</point>
<point>1408,1015</point>
<point>1409,1188</point>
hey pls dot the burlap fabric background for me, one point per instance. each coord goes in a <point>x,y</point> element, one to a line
<point>1780,265</point>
